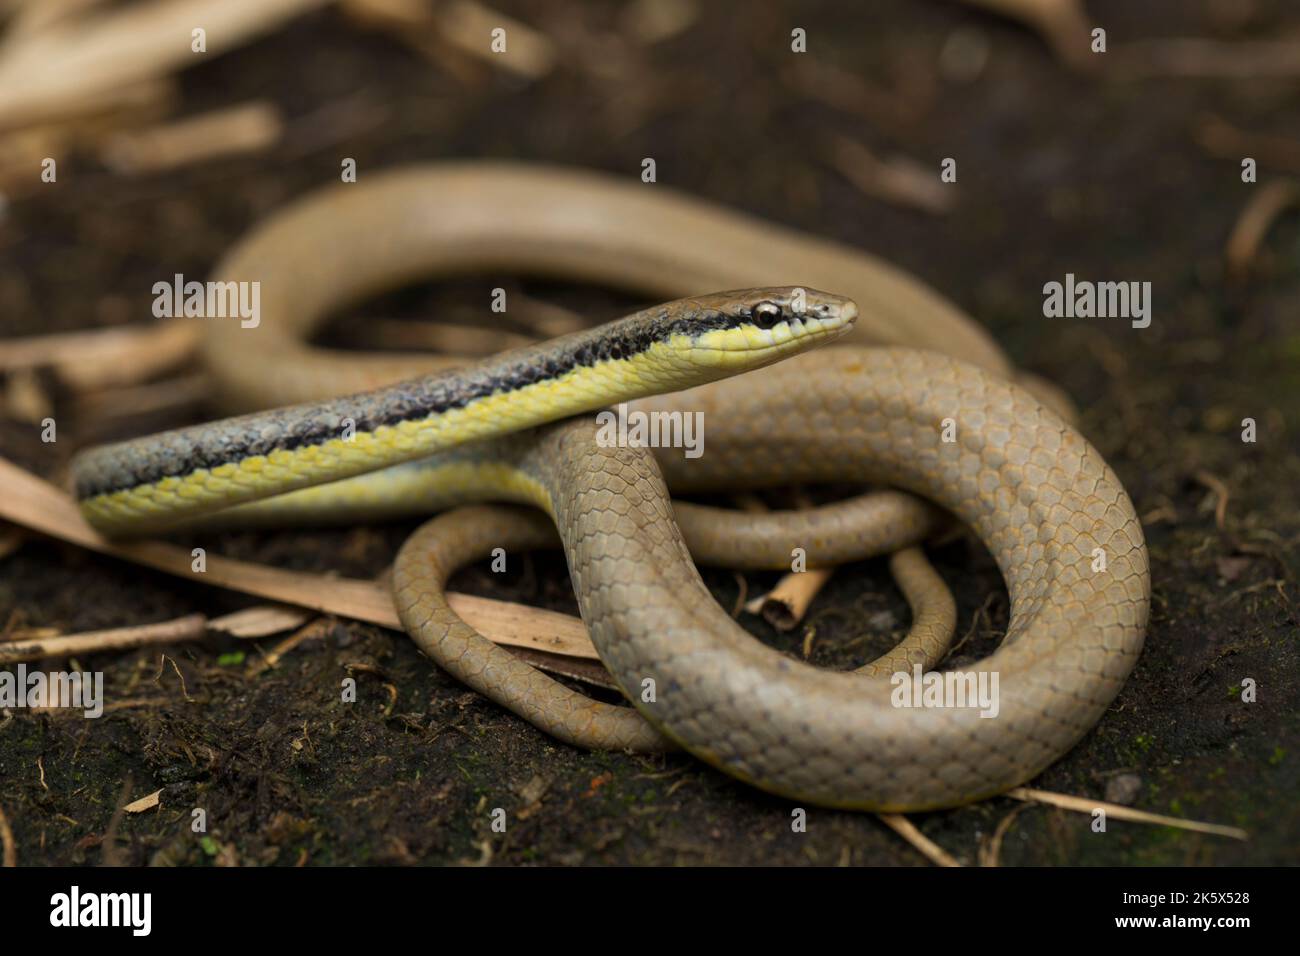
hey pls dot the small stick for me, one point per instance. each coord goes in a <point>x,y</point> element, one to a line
<point>468,26</point>
<point>144,803</point>
<point>785,605</point>
<point>104,358</point>
<point>1266,204</point>
<point>1063,24</point>
<point>95,642</point>
<point>848,92</point>
<point>908,831</point>
<point>1084,805</point>
<point>316,628</point>
<point>1220,138</point>
<point>30,18</point>
<point>246,128</point>
<point>33,503</point>
<point>1221,495</point>
<point>899,180</point>
<point>10,856</point>
<point>69,70</point>
<point>990,852</point>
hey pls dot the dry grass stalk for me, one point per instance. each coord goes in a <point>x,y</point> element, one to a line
<point>236,130</point>
<point>1266,205</point>
<point>9,856</point>
<point>898,180</point>
<point>1220,138</point>
<point>186,628</point>
<point>1115,811</point>
<point>786,604</point>
<point>72,69</point>
<point>468,26</point>
<point>105,358</point>
<point>908,831</point>
<point>28,501</point>
<point>144,803</point>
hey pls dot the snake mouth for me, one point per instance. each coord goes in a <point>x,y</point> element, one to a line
<point>751,344</point>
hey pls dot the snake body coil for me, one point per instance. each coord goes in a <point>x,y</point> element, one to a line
<point>1054,516</point>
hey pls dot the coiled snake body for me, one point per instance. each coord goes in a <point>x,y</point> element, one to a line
<point>1050,510</point>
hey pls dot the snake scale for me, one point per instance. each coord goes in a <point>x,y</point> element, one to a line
<point>509,429</point>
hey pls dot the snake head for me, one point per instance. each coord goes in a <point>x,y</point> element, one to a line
<point>755,327</point>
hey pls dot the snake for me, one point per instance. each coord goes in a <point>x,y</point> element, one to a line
<point>908,394</point>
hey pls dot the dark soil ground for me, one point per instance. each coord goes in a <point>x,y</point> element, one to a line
<point>1057,173</point>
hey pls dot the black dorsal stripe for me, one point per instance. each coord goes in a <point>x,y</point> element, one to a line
<point>181,452</point>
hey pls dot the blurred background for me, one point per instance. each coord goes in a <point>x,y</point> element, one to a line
<point>1118,165</point>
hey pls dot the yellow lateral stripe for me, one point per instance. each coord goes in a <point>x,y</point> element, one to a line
<point>259,476</point>
<point>664,367</point>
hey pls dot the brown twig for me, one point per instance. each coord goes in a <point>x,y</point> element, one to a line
<point>1219,138</point>
<point>73,69</point>
<point>786,604</point>
<point>313,629</point>
<point>1221,495</point>
<point>10,854</point>
<point>848,92</point>
<point>106,358</point>
<point>232,131</point>
<point>34,17</point>
<point>908,831</point>
<point>1084,805</point>
<point>1063,24</point>
<point>186,628</point>
<point>26,500</point>
<point>1266,205</point>
<point>468,25</point>
<point>147,802</point>
<point>249,623</point>
<point>991,851</point>
<point>898,180</point>
<point>163,661</point>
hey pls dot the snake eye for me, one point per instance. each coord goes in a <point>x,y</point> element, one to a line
<point>766,314</point>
